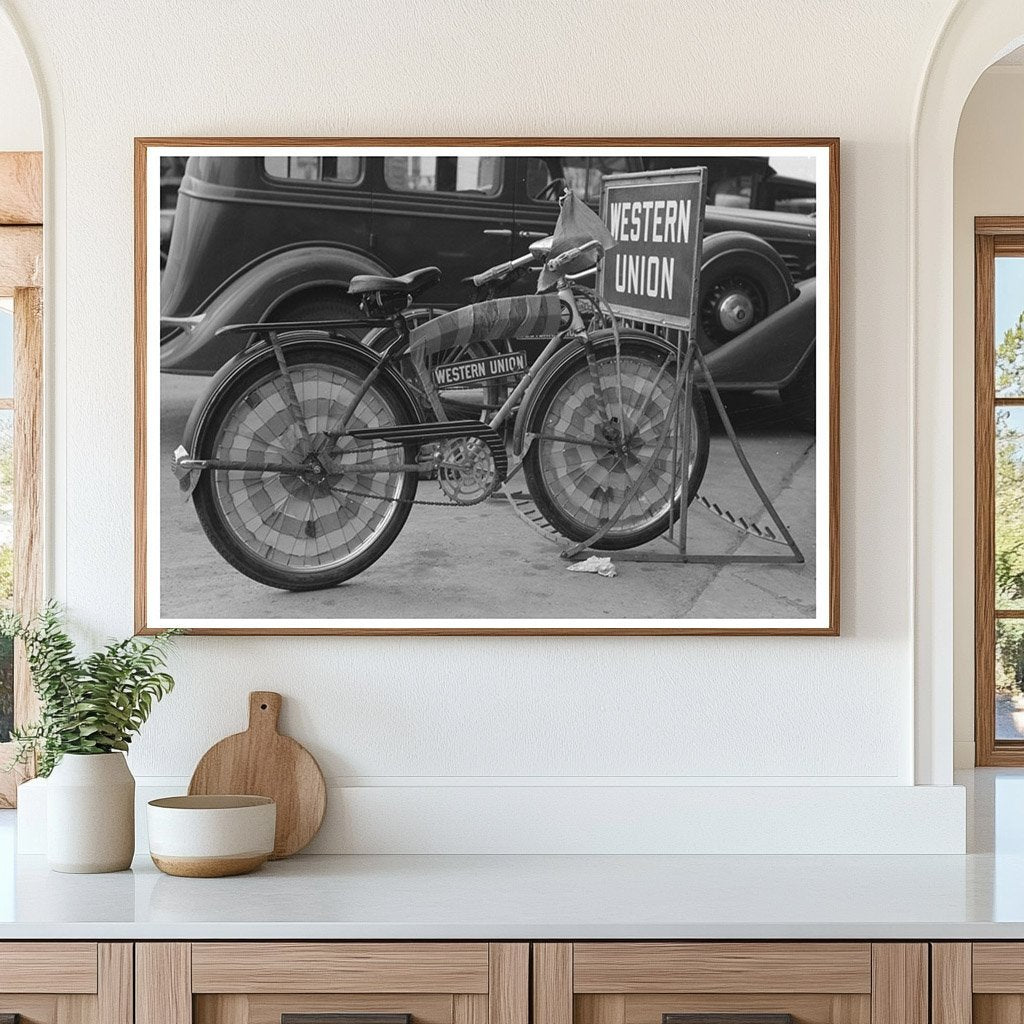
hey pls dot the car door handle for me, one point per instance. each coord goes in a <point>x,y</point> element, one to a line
<point>498,232</point>
<point>534,234</point>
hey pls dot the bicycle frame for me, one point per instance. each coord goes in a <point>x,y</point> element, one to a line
<point>268,333</point>
<point>400,347</point>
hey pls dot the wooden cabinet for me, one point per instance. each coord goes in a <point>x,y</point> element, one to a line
<point>310,982</point>
<point>512,983</point>
<point>978,983</point>
<point>66,982</point>
<point>752,982</point>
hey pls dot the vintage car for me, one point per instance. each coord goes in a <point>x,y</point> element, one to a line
<point>279,236</point>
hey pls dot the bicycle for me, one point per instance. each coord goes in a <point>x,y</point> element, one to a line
<point>303,458</point>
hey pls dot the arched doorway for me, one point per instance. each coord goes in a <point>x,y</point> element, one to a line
<point>976,34</point>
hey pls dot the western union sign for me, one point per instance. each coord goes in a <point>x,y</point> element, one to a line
<point>656,219</point>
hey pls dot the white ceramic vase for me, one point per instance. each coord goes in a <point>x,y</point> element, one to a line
<point>90,814</point>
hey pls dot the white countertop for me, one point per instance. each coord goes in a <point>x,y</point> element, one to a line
<point>497,897</point>
<point>977,896</point>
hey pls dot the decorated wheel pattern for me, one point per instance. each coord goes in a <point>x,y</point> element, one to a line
<point>586,466</point>
<point>306,523</point>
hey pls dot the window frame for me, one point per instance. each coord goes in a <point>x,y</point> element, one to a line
<point>993,237</point>
<point>468,193</point>
<point>333,183</point>
<point>21,270</point>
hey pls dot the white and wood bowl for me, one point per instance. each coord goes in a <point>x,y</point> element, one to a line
<point>211,836</point>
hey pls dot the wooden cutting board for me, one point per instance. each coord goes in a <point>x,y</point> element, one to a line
<point>262,762</point>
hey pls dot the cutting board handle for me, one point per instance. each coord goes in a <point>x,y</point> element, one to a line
<point>264,710</point>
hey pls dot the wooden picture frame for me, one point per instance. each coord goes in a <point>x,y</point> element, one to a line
<point>150,617</point>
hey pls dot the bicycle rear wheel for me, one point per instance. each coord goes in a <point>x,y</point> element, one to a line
<point>304,531</point>
<point>584,463</point>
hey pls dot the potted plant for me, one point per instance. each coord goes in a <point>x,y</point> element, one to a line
<point>89,710</point>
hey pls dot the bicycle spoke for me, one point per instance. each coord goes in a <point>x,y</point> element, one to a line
<point>639,414</point>
<point>565,439</point>
<point>293,514</point>
<point>624,481</point>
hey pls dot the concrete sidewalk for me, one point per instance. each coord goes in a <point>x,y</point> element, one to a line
<point>484,562</point>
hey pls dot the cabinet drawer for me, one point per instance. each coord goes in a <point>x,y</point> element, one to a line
<point>65,967</point>
<point>730,983</point>
<point>340,967</point>
<point>634,967</point>
<point>66,982</point>
<point>981,982</point>
<point>332,983</point>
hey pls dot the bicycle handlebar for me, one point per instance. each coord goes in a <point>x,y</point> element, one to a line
<point>562,259</point>
<point>569,255</point>
<point>501,270</point>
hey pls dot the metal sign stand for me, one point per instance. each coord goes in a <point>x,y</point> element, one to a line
<point>690,367</point>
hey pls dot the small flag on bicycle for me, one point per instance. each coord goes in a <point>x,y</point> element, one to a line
<point>577,224</point>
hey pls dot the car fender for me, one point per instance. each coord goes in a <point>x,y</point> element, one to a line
<point>769,354</point>
<point>251,297</point>
<point>557,361</point>
<point>718,247</point>
<point>199,419</point>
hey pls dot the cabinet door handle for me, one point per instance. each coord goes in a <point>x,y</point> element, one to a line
<point>727,1018</point>
<point>342,1018</point>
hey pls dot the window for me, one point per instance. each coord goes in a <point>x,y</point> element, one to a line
<point>6,512</point>
<point>736,191</point>
<point>344,170</point>
<point>999,491</point>
<point>583,174</point>
<point>481,174</point>
<point>21,370</point>
<point>20,501</point>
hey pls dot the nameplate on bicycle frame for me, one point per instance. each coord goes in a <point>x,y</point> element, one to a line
<point>472,371</point>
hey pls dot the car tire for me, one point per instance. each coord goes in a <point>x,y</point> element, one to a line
<point>319,304</point>
<point>742,281</point>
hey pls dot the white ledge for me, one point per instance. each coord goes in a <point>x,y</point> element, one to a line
<point>542,897</point>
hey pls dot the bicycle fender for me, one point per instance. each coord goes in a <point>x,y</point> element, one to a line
<point>600,338</point>
<point>199,419</point>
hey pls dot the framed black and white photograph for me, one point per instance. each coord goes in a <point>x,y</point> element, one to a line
<point>493,386</point>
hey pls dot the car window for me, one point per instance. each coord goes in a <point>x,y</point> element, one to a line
<point>583,174</point>
<point>480,174</point>
<point>735,191</point>
<point>345,170</point>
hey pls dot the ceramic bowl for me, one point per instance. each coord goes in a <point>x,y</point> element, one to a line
<point>211,836</point>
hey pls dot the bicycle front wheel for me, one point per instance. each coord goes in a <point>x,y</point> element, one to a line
<point>299,530</point>
<point>592,450</point>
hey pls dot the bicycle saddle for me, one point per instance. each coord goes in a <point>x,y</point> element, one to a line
<point>413,283</point>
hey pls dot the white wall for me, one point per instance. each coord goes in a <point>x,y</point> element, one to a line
<point>988,180</point>
<point>21,126</point>
<point>443,713</point>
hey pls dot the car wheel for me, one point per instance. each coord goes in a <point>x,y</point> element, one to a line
<point>742,281</point>
<point>319,304</point>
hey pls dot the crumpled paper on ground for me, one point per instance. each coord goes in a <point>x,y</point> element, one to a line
<point>602,566</point>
